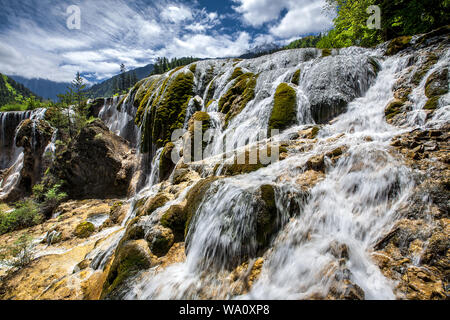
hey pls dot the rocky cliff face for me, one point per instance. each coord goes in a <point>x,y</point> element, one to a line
<point>353,206</point>
<point>97,165</point>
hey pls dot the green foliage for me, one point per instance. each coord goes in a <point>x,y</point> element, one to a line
<point>410,17</point>
<point>350,25</point>
<point>25,214</point>
<point>284,112</point>
<point>48,197</point>
<point>19,254</point>
<point>305,42</point>
<point>398,18</point>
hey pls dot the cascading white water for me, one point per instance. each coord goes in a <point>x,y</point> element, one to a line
<point>353,206</point>
<point>120,119</point>
<point>11,157</point>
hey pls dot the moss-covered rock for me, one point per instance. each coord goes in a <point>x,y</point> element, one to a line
<point>195,197</point>
<point>193,68</point>
<point>175,219</point>
<point>236,74</point>
<point>393,108</point>
<point>166,164</point>
<point>155,203</point>
<point>397,45</point>
<point>238,96</point>
<point>144,102</point>
<point>131,257</point>
<point>284,112</point>
<point>160,240</point>
<point>432,103</point>
<point>429,60</point>
<point>326,52</point>
<point>296,77</point>
<point>84,230</point>
<point>266,219</point>
<point>437,83</point>
<point>168,110</point>
<point>239,166</point>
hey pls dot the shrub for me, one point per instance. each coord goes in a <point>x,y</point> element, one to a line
<point>49,198</point>
<point>26,214</point>
<point>19,254</point>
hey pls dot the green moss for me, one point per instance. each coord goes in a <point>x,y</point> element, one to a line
<point>238,96</point>
<point>236,74</point>
<point>284,112</point>
<point>130,259</point>
<point>314,132</point>
<point>168,111</point>
<point>145,100</point>
<point>175,219</point>
<point>238,168</point>
<point>432,103</point>
<point>84,230</point>
<point>296,77</point>
<point>161,243</point>
<point>155,203</point>
<point>193,68</point>
<point>437,83</point>
<point>326,52</point>
<point>121,101</point>
<point>397,45</point>
<point>393,108</point>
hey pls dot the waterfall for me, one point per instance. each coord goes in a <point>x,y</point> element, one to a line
<point>351,207</point>
<point>11,157</point>
<point>120,118</point>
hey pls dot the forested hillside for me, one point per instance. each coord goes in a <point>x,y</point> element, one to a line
<point>14,95</point>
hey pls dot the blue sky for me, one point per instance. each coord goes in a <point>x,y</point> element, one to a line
<point>35,41</point>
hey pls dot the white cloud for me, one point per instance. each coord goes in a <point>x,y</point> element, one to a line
<point>258,12</point>
<point>176,14</point>
<point>302,20</point>
<point>206,46</point>
<point>302,16</point>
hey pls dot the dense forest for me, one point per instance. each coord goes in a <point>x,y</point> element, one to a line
<point>119,83</point>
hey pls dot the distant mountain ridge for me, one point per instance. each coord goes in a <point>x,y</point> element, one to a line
<point>46,89</point>
<point>106,88</point>
<point>49,90</point>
